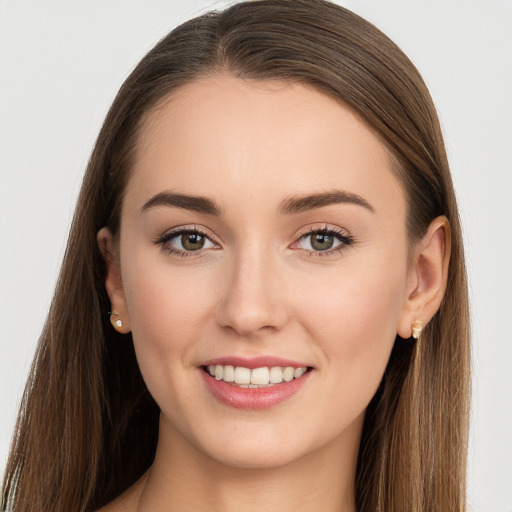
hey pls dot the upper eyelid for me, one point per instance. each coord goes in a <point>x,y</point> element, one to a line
<point>179,230</point>
<point>324,227</point>
<point>200,229</point>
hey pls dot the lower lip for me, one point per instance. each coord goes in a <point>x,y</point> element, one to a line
<point>253,398</point>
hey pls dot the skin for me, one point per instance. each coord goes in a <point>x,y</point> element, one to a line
<point>258,287</point>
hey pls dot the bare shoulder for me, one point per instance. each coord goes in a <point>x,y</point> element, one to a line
<point>126,502</point>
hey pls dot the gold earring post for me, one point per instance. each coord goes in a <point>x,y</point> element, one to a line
<point>417,327</point>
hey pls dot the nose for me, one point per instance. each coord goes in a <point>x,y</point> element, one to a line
<point>253,299</point>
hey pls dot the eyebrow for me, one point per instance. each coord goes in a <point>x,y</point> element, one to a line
<point>301,204</point>
<point>289,206</point>
<point>194,203</point>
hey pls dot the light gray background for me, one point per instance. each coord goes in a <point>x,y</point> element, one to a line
<point>61,63</point>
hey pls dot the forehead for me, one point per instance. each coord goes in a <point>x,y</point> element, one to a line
<point>226,137</point>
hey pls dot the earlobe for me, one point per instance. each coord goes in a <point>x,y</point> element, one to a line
<point>119,317</point>
<point>428,277</point>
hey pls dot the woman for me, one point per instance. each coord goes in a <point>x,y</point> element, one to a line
<point>263,301</point>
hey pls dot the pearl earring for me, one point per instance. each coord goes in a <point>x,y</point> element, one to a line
<point>115,323</point>
<point>417,326</point>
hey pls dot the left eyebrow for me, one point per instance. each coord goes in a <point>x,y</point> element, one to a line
<point>298,204</point>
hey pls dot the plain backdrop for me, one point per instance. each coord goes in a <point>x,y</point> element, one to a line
<point>61,63</point>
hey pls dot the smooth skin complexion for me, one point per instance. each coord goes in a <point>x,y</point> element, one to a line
<point>263,219</point>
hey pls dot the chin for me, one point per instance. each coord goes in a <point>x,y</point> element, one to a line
<point>254,457</point>
<point>256,445</point>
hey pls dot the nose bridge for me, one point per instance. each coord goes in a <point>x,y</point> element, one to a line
<point>251,300</point>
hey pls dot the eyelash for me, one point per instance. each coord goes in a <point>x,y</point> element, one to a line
<point>345,239</point>
<point>164,239</point>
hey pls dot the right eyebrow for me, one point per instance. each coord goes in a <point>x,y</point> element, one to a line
<point>173,200</point>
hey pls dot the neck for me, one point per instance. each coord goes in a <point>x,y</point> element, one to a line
<point>183,478</point>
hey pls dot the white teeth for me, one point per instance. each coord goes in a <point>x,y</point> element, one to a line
<point>260,376</point>
<point>229,374</point>
<point>242,375</point>
<point>288,373</point>
<point>256,377</point>
<point>276,375</point>
<point>299,372</point>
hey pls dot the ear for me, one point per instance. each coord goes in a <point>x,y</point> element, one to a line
<point>113,281</point>
<point>427,277</point>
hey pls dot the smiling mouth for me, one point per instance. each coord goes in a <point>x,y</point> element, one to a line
<point>264,377</point>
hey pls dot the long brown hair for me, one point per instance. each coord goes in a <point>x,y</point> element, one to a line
<point>87,427</point>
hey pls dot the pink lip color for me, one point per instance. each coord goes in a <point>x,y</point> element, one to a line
<point>253,398</point>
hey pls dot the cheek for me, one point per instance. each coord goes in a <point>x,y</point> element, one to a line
<point>354,320</point>
<point>359,304</point>
<point>166,310</point>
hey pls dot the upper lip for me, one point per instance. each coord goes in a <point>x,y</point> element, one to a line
<point>254,362</point>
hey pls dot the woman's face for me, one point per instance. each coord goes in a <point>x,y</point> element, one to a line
<point>262,227</point>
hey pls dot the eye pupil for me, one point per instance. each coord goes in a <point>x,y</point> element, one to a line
<point>193,241</point>
<point>322,241</point>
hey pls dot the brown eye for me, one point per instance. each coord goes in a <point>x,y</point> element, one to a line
<point>322,241</point>
<point>185,241</point>
<point>192,241</point>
